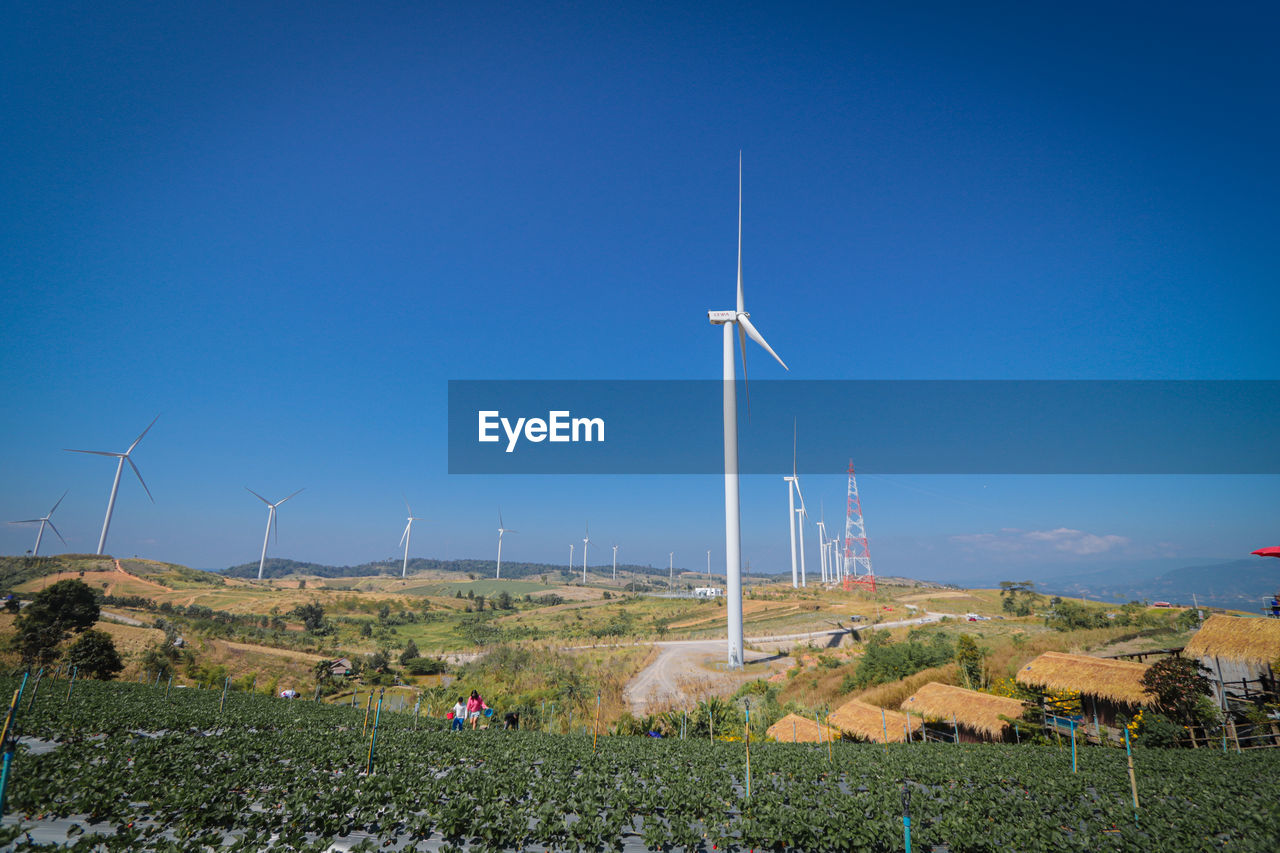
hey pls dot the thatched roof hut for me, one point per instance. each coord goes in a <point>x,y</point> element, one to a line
<point>1236,638</point>
<point>794,728</point>
<point>978,713</point>
<point>868,722</point>
<point>1118,681</point>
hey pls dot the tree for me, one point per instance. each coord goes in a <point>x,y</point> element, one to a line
<point>312,616</point>
<point>410,652</point>
<point>1017,597</point>
<point>57,611</point>
<point>1177,685</point>
<point>969,657</point>
<point>94,654</point>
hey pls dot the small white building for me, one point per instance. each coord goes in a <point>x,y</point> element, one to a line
<point>708,592</point>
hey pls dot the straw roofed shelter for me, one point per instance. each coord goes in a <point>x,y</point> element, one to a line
<point>977,715</point>
<point>865,721</point>
<point>1106,686</point>
<point>1237,650</point>
<point>794,728</point>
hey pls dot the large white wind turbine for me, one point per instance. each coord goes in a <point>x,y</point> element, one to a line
<point>42,521</point>
<point>615,562</point>
<point>793,483</point>
<point>732,512</point>
<point>404,537</point>
<point>501,530</point>
<point>271,520</point>
<point>586,540</point>
<point>115,484</point>
<point>570,559</point>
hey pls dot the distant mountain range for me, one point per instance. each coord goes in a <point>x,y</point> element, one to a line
<point>277,567</point>
<point>1234,584</point>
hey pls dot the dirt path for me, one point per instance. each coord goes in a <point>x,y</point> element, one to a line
<point>683,667</point>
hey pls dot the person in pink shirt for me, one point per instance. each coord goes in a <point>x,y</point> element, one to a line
<point>475,705</point>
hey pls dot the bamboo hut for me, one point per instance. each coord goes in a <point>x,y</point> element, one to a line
<point>865,721</point>
<point>1106,686</point>
<point>1238,651</point>
<point>794,728</point>
<point>976,715</point>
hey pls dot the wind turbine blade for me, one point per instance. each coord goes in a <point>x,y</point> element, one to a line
<point>55,530</point>
<point>139,474</point>
<point>303,489</point>
<point>94,452</point>
<point>274,523</point>
<point>405,535</point>
<point>740,301</point>
<point>746,385</point>
<point>744,323</point>
<point>500,524</point>
<point>258,496</point>
<point>406,504</point>
<point>28,521</point>
<point>55,506</point>
<point>801,494</point>
<point>144,432</point>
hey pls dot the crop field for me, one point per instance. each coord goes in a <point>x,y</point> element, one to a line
<point>118,767</point>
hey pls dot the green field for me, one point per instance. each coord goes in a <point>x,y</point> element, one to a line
<point>297,773</point>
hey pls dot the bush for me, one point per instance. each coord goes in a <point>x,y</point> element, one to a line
<point>425,666</point>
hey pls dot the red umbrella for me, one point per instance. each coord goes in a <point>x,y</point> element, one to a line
<point>1267,552</point>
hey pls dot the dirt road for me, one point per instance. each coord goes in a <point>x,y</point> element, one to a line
<point>683,667</point>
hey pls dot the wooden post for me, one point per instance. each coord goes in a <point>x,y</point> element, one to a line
<point>747,737</point>
<point>367,708</point>
<point>226,685</point>
<point>1133,780</point>
<point>72,683</point>
<point>373,739</point>
<point>35,688</point>
<point>955,730</point>
<point>168,687</point>
<point>830,758</point>
<point>595,727</point>
<point>711,725</point>
<point>1073,746</point>
<point>884,732</point>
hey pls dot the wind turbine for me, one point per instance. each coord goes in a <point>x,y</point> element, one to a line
<point>671,569</point>
<point>708,565</point>
<point>586,540</point>
<point>822,539</point>
<point>571,559</point>
<point>501,530</point>
<point>271,519</point>
<point>615,562</point>
<point>115,485</point>
<point>404,538</point>
<point>732,507</point>
<point>42,521</point>
<point>793,483</point>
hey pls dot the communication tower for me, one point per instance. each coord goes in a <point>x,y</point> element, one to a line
<point>857,556</point>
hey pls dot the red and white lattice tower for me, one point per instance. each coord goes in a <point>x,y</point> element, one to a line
<point>857,556</point>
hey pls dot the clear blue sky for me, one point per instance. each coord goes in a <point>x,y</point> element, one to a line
<point>283,228</point>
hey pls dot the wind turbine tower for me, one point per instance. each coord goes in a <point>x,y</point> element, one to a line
<point>501,530</point>
<point>404,538</point>
<point>115,485</point>
<point>857,556</point>
<point>740,319</point>
<point>615,562</point>
<point>271,521</point>
<point>42,521</point>
<point>586,540</point>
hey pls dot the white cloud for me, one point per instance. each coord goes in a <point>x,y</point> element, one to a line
<point>1063,540</point>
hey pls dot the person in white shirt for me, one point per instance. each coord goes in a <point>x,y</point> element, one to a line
<point>459,714</point>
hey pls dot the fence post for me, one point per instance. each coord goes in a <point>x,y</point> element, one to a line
<point>1133,780</point>
<point>955,730</point>
<point>373,739</point>
<point>168,687</point>
<point>595,727</point>
<point>71,684</point>
<point>1073,745</point>
<point>906,815</point>
<point>226,685</point>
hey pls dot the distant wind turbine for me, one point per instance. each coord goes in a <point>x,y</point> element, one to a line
<point>586,540</point>
<point>732,508</point>
<point>501,530</point>
<point>615,562</point>
<point>793,482</point>
<point>570,559</point>
<point>671,571</point>
<point>271,520</point>
<point>115,485</point>
<point>42,521</point>
<point>404,538</point>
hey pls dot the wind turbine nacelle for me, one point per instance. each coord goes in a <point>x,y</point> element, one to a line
<point>719,318</point>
